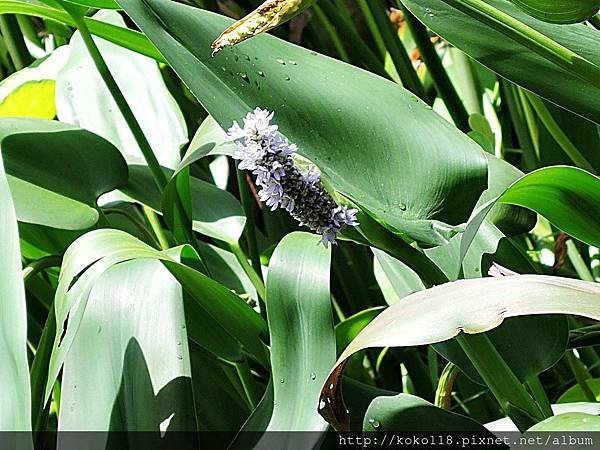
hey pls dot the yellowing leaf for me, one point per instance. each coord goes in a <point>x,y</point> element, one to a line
<point>30,91</point>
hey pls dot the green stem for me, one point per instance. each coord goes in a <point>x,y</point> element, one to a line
<point>440,77</point>
<point>443,393</point>
<point>362,52</point>
<point>250,233</point>
<point>595,21</point>
<point>157,173</point>
<point>41,360</point>
<point>531,124</point>
<point>557,133</point>
<point>257,282</point>
<point>137,223</point>
<point>372,25</point>
<point>337,42</point>
<point>537,390</point>
<point>253,394</point>
<point>503,383</point>
<point>14,41</point>
<point>157,229</point>
<point>467,80</point>
<point>396,49</point>
<point>578,263</point>
<point>40,264</point>
<point>529,37</point>
<point>419,374</point>
<point>28,30</point>
<point>580,374</point>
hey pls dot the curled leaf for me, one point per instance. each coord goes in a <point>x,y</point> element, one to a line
<point>270,14</point>
<point>469,306</point>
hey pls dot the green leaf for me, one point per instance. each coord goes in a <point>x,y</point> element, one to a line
<point>98,4</point>
<point>302,336</point>
<point>575,394</point>
<point>568,422</point>
<point>529,345</point>
<point>130,356</point>
<point>469,306</point>
<point>348,329</point>
<point>512,58</point>
<point>83,99</point>
<point>30,91</point>
<point>559,11</point>
<point>316,104</point>
<point>395,278</point>
<point>567,196</point>
<point>227,315</point>
<point>405,412</point>
<point>57,171</point>
<point>130,39</point>
<point>15,393</point>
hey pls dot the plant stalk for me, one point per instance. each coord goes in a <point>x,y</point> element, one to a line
<point>438,73</point>
<point>14,41</point>
<point>443,393</point>
<point>140,138</point>
<point>396,49</point>
<point>580,374</point>
<point>557,133</point>
<point>503,383</point>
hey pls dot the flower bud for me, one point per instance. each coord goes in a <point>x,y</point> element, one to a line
<point>270,14</point>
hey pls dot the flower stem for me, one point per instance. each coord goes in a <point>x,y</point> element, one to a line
<point>14,41</point>
<point>249,270</point>
<point>250,232</point>
<point>154,222</point>
<point>443,393</point>
<point>157,173</point>
<point>440,77</point>
<point>396,49</point>
<point>503,383</point>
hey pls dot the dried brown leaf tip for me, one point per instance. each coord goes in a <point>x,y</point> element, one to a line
<point>270,14</point>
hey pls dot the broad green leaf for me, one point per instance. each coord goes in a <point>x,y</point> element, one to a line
<point>97,251</point>
<point>130,39</point>
<point>529,345</point>
<point>82,99</point>
<point>130,356</point>
<point>567,196</point>
<point>317,107</point>
<point>568,422</point>
<point>513,59</point>
<point>469,306</point>
<point>405,412</point>
<point>575,394</point>
<point>57,171</point>
<point>30,91</point>
<point>15,392</point>
<point>559,11</point>
<point>302,337</point>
